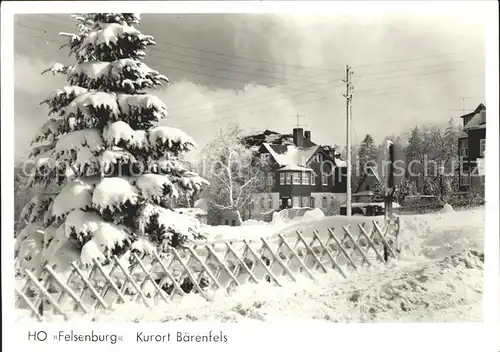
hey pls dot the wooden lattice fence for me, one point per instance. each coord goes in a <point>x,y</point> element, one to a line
<point>205,268</point>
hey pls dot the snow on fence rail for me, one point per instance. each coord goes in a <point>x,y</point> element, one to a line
<point>205,268</point>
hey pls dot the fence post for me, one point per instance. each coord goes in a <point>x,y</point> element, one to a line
<point>389,195</point>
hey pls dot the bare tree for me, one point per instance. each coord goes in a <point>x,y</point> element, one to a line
<point>233,170</point>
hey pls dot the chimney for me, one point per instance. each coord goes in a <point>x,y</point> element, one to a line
<point>298,136</point>
<point>307,135</point>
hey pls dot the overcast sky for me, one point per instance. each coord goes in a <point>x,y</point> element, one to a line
<point>260,70</point>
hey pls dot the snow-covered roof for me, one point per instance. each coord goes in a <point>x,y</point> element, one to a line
<point>294,168</point>
<point>340,162</point>
<point>252,133</point>
<point>305,154</point>
<point>258,137</point>
<point>373,172</point>
<point>379,204</point>
<point>290,154</point>
<point>478,121</point>
<point>363,193</point>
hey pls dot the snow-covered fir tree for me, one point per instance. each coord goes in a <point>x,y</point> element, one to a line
<point>116,166</point>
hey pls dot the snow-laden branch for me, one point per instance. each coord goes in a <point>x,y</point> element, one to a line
<point>57,68</point>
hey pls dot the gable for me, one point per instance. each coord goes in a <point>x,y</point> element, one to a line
<point>326,156</point>
<point>480,107</point>
<point>475,121</point>
<point>263,149</point>
<point>369,181</point>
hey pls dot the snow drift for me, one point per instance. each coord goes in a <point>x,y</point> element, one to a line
<point>437,278</point>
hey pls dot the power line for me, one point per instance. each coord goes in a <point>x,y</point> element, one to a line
<point>305,102</point>
<point>292,90</point>
<point>258,75</point>
<point>154,48</point>
<point>240,72</point>
<point>314,91</point>
<point>273,100</point>
<point>221,69</point>
<point>252,113</point>
<point>266,76</point>
<point>297,66</point>
<point>236,80</point>
<point>235,56</point>
<point>412,86</point>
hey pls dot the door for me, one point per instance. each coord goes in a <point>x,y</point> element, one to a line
<point>285,202</point>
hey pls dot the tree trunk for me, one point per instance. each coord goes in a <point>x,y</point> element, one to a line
<point>238,214</point>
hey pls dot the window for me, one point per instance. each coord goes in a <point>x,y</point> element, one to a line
<point>282,178</point>
<point>296,178</point>
<point>270,179</point>
<point>305,178</point>
<point>324,180</point>
<point>482,179</point>
<point>313,179</point>
<point>264,158</point>
<point>233,222</point>
<point>270,203</point>
<point>367,188</point>
<point>305,202</point>
<point>313,202</point>
<point>333,177</point>
<point>226,222</point>
<point>288,178</point>
<point>482,146</point>
<point>466,120</point>
<point>464,147</point>
<point>296,202</point>
<point>262,203</point>
<point>324,202</point>
<point>465,179</point>
<point>319,158</point>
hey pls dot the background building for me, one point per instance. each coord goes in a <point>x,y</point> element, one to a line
<point>471,150</point>
<point>301,173</point>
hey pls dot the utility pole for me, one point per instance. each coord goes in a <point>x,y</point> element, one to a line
<point>348,97</point>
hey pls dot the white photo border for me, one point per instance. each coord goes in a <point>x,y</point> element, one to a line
<point>285,334</point>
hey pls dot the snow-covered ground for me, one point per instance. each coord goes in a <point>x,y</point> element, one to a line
<point>438,278</point>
